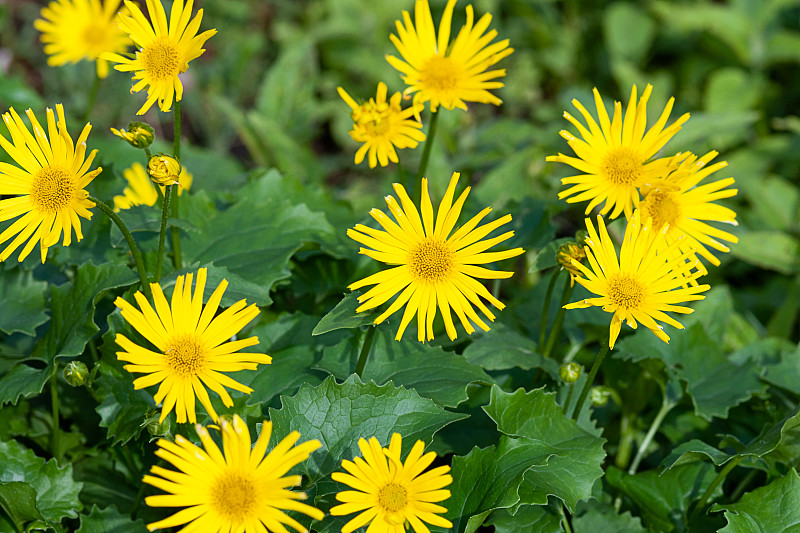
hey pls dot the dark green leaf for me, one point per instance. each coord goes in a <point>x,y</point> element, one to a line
<point>56,491</point>
<point>338,414</point>
<point>18,500</point>
<point>289,370</point>
<point>771,509</point>
<point>538,518</point>
<point>432,372</point>
<point>238,287</point>
<point>24,302</point>
<point>546,257</point>
<point>663,499</point>
<point>596,517</point>
<point>693,451</point>
<point>24,381</point>
<point>344,316</point>
<point>502,348</point>
<point>72,309</point>
<point>773,250</point>
<point>569,459</point>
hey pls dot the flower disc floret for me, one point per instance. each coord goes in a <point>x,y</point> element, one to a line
<point>642,284</point>
<point>47,190</point>
<point>165,49</point>
<point>191,346</point>
<point>434,267</point>
<point>239,488</point>
<point>616,156</point>
<point>391,494</point>
<point>445,72</point>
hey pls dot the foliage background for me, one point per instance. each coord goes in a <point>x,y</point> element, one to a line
<point>275,189</point>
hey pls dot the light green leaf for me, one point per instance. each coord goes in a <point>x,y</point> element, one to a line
<point>109,520</point>
<point>18,500</point>
<point>693,451</point>
<point>628,31</point>
<point>771,509</point>
<point>786,373</point>
<point>344,316</point>
<point>408,364</point>
<point>663,499</point>
<point>72,309</point>
<point>27,295</point>
<point>773,250</point>
<point>546,257</point>
<point>569,459</point>
<point>56,491</point>
<point>596,517</point>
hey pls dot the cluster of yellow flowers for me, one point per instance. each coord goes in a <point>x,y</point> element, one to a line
<point>666,207</point>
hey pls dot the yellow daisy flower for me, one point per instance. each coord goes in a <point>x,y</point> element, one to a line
<point>444,72</point>
<point>641,284</point>
<point>383,126</point>
<point>679,200</point>
<point>192,346</point>
<point>236,489</point>
<point>165,50</point>
<point>434,267</point>
<point>616,157</point>
<point>73,30</point>
<point>391,494</point>
<point>141,190</point>
<point>48,188</point>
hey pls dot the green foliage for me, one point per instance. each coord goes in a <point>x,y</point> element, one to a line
<point>767,509</point>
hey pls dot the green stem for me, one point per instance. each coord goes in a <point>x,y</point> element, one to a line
<point>56,436</point>
<point>177,261</point>
<point>162,234</point>
<point>92,98</point>
<point>569,398</point>
<point>138,502</point>
<point>554,334</point>
<point>546,308</point>
<point>714,484</point>
<point>565,521</point>
<point>666,407</point>
<point>598,360</point>
<point>137,255</point>
<point>426,153</point>
<point>365,349</point>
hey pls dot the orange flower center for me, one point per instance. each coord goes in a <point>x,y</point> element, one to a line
<point>52,189</point>
<point>431,261</point>
<point>392,498</point>
<point>185,357</point>
<point>161,60</point>
<point>622,166</point>
<point>439,74</point>
<point>662,208</point>
<point>625,292</point>
<point>234,496</point>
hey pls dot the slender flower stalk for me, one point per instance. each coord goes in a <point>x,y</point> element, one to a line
<point>426,151</point>
<point>177,260</point>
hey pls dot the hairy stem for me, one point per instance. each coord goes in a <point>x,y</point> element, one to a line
<point>426,154</point>
<point>177,261</point>
<point>598,360</point>
<point>365,349</point>
<point>666,407</point>
<point>554,334</point>
<point>162,234</point>
<point>137,255</point>
<point>546,308</point>
<point>721,475</point>
<point>55,437</point>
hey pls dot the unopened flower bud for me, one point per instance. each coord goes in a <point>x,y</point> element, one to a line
<point>75,373</point>
<point>163,169</point>
<point>599,395</point>
<point>139,134</point>
<point>154,427</point>
<point>570,372</point>
<point>566,254</point>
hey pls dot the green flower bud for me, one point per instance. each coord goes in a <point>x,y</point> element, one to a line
<point>566,254</point>
<point>139,134</point>
<point>154,427</point>
<point>163,169</point>
<point>570,372</point>
<point>75,373</point>
<point>599,395</point>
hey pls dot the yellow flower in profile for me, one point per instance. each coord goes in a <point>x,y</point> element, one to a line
<point>139,134</point>
<point>639,286</point>
<point>165,50</point>
<point>47,190</point>
<point>236,489</point>
<point>434,268</point>
<point>140,189</point>
<point>680,201</point>
<point>444,72</point>
<point>383,126</point>
<point>192,346</point>
<point>566,254</point>
<point>74,30</point>
<point>616,156</point>
<point>391,494</point>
